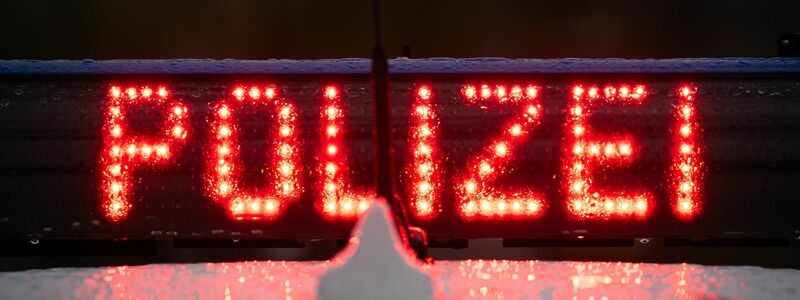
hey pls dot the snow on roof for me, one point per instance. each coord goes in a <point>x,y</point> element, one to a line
<point>402,66</point>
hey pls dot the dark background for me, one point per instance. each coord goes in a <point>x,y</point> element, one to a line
<point>52,29</point>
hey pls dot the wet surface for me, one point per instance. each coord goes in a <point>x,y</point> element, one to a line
<point>486,279</point>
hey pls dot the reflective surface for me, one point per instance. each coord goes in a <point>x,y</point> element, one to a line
<point>487,279</point>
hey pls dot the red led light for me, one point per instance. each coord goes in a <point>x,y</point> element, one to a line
<point>587,152</point>
<point>686,169</point>
<point>338,198</point>
<point>223,166</point>
<point>123,153</point>
<point>423,171</point>
<point>477,197</point>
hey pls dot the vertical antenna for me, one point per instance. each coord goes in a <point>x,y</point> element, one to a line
<point>413,238</point>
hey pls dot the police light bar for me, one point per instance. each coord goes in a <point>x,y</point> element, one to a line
<point>486,147</point>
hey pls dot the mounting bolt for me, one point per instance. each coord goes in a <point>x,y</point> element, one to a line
<point>644,241</point>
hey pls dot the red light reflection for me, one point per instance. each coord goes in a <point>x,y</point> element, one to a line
<point>487,279</point>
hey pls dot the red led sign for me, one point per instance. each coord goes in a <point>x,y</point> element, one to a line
<point>585,153</point>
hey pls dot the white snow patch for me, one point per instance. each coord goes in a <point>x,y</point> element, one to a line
<point>380,268</point>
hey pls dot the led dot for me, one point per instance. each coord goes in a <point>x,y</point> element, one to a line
<point>577,167</point>
<point>330,168</point>
<point>532,206</point>
<point>347,206</point>
<point>532,110</point>
<point>285,131</point>
<point>516,130</point>
<point>115,111</point>
<point>501,206</point>
<point>531,92</point>
<point>625,149</point>
<point>270,92</point>
<point>224,169</point>
<point>224,131</point>
<point>330,187</point>
<point>686,148</point>
<point>238,93</point>
<point>270,206</point>
<point>516,206</point>
<point>486,207</point>
<point>115,169</point>
<point>424,149</point>
<point>686,187</point>
<point>686,111</point>
<point>224,112</point>
<point>147,92</point>
<point>363,205</point>
<point>686,91</point>
<point>177,131</point>
<point>331,92</point>
<point>641,205</point>
<point>425,131</point>
<point>285,150</point>
<point>578,149</point>
<point>147,150</point>
<point>686,130</point>
<point>578,130</point>
<point>332,112</point>
<point>624,92</point>
<point>577,110</point>
<point>486,92</point>
<point>424,168</point>
<point>577,186</point>
<point>501,149</point>
<point>470,187</point>
<point>116,131</point>
<point>237,207</point>
<point>516,92</point>
<point>332,149</point>
<point>469,206</point>
<point>609,150</point>
<point>131,93</point>
<point>286,112</point>
<point>255,206</point>
<point>116,151</point>
<point>501,92</point>
<point>423,111</point>
<point>162,92</point>
<point>286,168</point>
<point>594,149</point>
<point>424,93</point>
<point>485,168</point>
<point>255,93</point>
<point>131,150</point>
<point>577,91</point>
<point>116,187</point>
<point>424,187</point>
<point>685,168</point>
<point>423,206</point>
<point>470,92</point>
<point>593,92</point>
<point>224,188</point>
<point>331,131</point>
<point>686,205</point>
<point>224,149</point>
<point>115,92</point>
<point>177,111</point>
